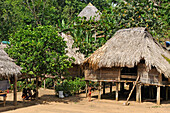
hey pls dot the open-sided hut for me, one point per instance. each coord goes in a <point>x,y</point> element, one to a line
<point>90,11</point>
<point>72,52</point>
<point>8,69</point>
<point>130,54</point>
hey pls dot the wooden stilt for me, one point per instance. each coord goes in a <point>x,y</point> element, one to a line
<point>110,87</point>
<point>15,90</point>
<point>117,91</point>
<point>159,90</point>
<point>99,89</point>
<point>137,92</point>
<point>103,88</point>
<point>166,92</point>
<point>87,83</point>
<point>44,83</point>
<point>158,95</point>
<point>140,93</point>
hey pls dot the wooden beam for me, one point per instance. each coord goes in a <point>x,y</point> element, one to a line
<point>99,89</point>
<point>132,90</point>
<point>104,88</point>
<point>129,76</point>
<point>117,91</point>
<point>15,90</point>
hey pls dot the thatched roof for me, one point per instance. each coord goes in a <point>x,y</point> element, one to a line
<point>72,52</point>
<point>127,48</point>
<point>7,66</point>
<point>90,11</point>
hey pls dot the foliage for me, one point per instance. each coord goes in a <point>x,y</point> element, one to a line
<point>166,58</point>
<point>124,15</point>
<point>23,84</point>
<point>70,86</point>
<point>49,83</point>
<point>39,51</point>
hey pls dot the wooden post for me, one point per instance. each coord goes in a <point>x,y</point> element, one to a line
<point>87,84</point>
<point>104,88</point>
<point>159,90</point>
<point>137,92</point>
<point>158,95</point>
<point>166,92</point>
<point>119,76</point>
<point>99,89</point>
<point>15,90</point>
<point>110,87</point>
<point>140,93</point>
<point>117,91</point>
<point>44,83</point>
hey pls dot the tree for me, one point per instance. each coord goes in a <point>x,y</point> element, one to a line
<point>39,51</point>
<point>124,15</point>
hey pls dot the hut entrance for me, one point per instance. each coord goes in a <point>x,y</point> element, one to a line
<point>128,73</point>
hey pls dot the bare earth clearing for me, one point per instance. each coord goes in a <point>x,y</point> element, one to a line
<point>49,103</point>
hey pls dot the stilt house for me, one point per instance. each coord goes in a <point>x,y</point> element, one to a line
<point>130,55</point>
<point>8,69</point>
<point>75,71</point>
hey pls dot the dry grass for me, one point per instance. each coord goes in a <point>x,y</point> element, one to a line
<point>7,66</point>
<point>127,48</point>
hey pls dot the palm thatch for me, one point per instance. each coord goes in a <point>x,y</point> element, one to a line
<point>127,48</point>
<point>7,67</point>
<point>90,11</point>
<point>72,52</point>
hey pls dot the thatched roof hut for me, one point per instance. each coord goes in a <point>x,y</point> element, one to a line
<point>7,66</point>
<point>72,52</point>
<point>127,48</point>
<point>131,56</point>
<point>90,11</point>
<point>8,69</point>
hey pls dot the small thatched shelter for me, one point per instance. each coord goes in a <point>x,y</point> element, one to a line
<point>72,52</point>
<point>90,11</point>
<point>8,69</point>
<point>128,54</point>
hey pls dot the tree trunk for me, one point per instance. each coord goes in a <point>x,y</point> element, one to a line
<point>36,88</point>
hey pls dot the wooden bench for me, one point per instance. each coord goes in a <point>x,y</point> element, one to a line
<point>4,94</point>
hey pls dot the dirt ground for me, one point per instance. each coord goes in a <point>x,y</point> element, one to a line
<point>49,103</point>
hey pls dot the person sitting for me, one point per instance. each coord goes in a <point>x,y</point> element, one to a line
<point>29,94</point>
<point>35,93</point>
<point>24,93</point>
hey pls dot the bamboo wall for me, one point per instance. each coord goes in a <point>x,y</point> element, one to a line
<point>151,77</point>
<point>102,74</point>
<point>75,71</point>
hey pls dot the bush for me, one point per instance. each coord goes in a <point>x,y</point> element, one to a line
<point>49,83</point>
<point>22,84</point>
<point>70,86</point>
